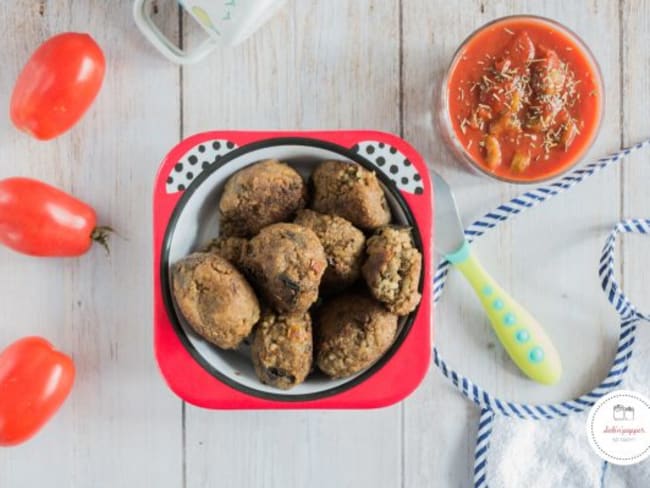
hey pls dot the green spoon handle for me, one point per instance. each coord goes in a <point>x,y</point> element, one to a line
<point>522,336</point>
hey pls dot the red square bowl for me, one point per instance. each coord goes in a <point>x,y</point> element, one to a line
<point>186,195</point>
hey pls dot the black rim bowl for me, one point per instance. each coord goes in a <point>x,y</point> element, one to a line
<point>389,186</point>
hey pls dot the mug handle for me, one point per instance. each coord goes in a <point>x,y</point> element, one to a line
<point>146,25</point>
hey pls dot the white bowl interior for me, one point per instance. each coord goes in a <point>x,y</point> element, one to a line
<point>199,222</point>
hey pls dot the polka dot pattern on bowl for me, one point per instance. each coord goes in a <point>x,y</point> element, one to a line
<point>195,161</point>
<point>393,164</point>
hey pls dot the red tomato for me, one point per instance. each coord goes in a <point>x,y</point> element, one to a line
<point>40,220</point>
<point>57,85</point>
<point>35,379</point>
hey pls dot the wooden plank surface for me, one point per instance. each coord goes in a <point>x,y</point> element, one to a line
<point>635,198</point>
<point>317,64</point>
<point>548,257</point>
<point>120,426</point>
<point>287,77</point>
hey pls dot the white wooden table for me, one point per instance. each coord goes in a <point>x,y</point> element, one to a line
<point>318,64</point>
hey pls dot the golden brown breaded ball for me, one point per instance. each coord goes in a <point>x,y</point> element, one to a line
<point>350,191</point>
<point>230,248</point>
<point>352,331</point>
<point>259,195</point>
<point>392,269</point>
<point>344,246</point>
<point>282,349</point>
<point>215,299</point>
<point>287,262</point>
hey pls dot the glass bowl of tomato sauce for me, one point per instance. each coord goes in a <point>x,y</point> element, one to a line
<point>522,100</point>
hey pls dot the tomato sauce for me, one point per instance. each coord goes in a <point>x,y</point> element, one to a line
<point>524,99</point>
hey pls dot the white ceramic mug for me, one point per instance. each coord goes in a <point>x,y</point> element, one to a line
<point>227,23</point>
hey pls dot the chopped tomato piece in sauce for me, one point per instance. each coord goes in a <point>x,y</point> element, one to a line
<point>525,99</point>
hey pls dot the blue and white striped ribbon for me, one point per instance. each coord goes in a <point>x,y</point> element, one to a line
<point>491,405</point>
<point>482,446</point>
